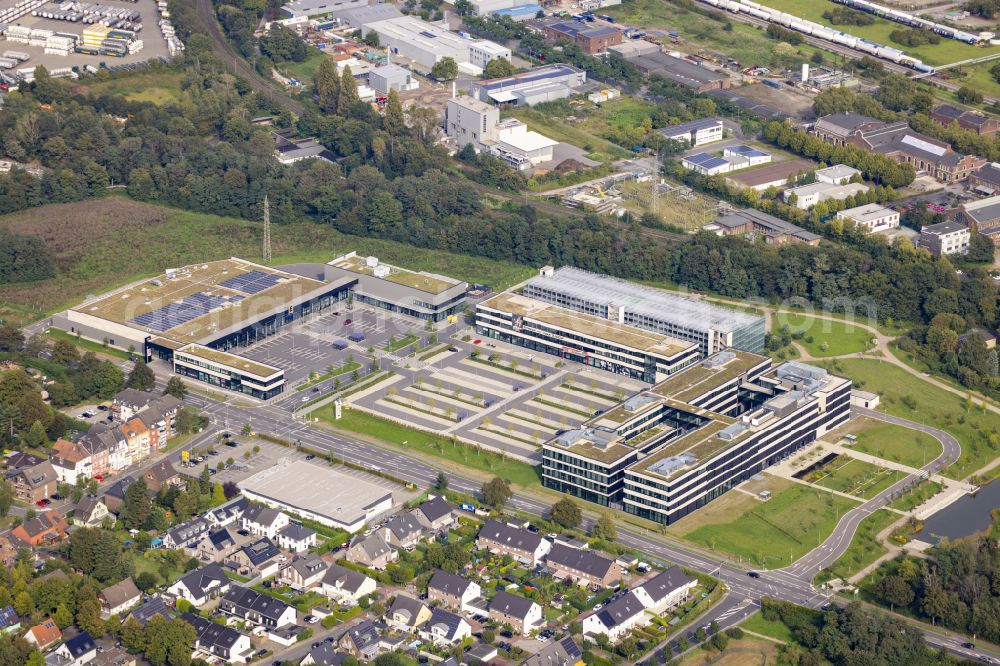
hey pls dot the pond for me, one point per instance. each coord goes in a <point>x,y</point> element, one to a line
<point>964,517</point>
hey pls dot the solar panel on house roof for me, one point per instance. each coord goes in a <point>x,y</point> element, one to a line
<point>180,312</point>
<point>251,282</point>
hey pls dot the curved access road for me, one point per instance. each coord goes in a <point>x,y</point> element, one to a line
<point>806,568</point>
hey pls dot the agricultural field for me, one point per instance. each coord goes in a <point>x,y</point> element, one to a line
<point>824,337</point>
<point>154,86</point>
<point>891,442</point>
<point>903,395</point>
<point>777,532</point>
<point>85,238</point>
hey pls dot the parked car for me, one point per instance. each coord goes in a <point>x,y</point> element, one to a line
<point>311,619</point>
<point>232,444</point>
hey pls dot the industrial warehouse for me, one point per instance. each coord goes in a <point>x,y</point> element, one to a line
<point>196,317</point>
<point>671,449</point>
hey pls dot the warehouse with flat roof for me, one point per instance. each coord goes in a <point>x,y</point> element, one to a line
<point>539,84</point>
<point>317,492</point>
<point>426,43</point>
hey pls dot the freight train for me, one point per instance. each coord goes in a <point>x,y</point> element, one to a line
<point>910,20</point>
<point>755,9</point>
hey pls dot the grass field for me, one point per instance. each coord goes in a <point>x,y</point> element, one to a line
<point>978,77</point>
<point>947,51</point>
<point>156,87</point>
<point>776,629</point>
<point>864,548</point>
<point>303,71</point>
<point>906,396</point>
<point>857,477</point>
<point>588,131</point>
<point>828,337</point>
<point>85,238</point>
<point>435,446</point>
<point>749,651</point>
<point>920,494</point>
<point>777,532</point>
<point>891,442</point>
<point>89,345</point>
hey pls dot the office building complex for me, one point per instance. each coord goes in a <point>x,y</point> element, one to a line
<point>469,120</point>
<point>671,449</point>
<point>712,327</point>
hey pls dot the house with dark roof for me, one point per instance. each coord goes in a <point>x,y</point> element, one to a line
<point>219,641</point>
<point>213,546</point>
<point>636,608</point>
<point>296,537</point>
<point>445,628</point>
<point>591,40</point>
<point>324,654</point>
<point>90,512</point>
<point>35,483</point>
<point>982,215</point>
<point>9,621</point>
<point>44,634</point>
<point>186,534</point>
<point>303,572</point>
<point>695,132</point>
<point>262,520</point>
<point>76,651</point>
<point>681,72</point>
<point>453,590</point>
<point>516,542</point>
<point>557,653</point>
<point>362,641</point>
<point>151,608</point>
<point>256,558</point>
<point>524,615</point>
<point>435,514</point>
<point>160,475</point>
<point>201,585</point>
<point>346,586</point>
<point>372,551</point>
<point>947,114</point>
<point>46,527</point>
<point>403,530</point>
<point>582,566</point>
<point>114,496</point>
<point>665,590</point>
<point>753,224</point>
<point>945,238</point>
<point>118,598</point>
<point>407,614</point>
<point>251,606</point>
<point>229,513</point>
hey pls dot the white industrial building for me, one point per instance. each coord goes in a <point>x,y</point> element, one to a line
<point>871,216</point>
<point>838,174</point>
<point>426,43</point>
<point>540,84</point>
<point>391,77</point>
<point>469,120</point>
<point>307,8</point>
<point>807,196</point>
<point>696,132</point>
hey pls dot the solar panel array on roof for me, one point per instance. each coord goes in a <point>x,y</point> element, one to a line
<point>180,312</point>
<point>251,282</point>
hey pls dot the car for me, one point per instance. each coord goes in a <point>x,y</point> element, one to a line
<point>87,415</point>
<point>103,408</point>
<point>211,472</point>
<point>227,435</point>
<point>316,644</point>
<point>477,342</point>
<point>243,532</point>
<point>231,444</point>
<point>276,663</point>
<point>56,497</point>
<point>311,619</point>
<point>261,653</point>
<point>348,322</point>
<point>310,456</point>
<point>532,528</point>
<point>453,349</point>
<point>305,398</point>
<point>753,574</point>
<point>969,646</point>
<point>315,389</point>
<point>598,607</point>
<point>99,478</point>
<point>42,502</point>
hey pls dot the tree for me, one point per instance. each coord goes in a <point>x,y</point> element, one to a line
<point>230,489</point>
<point>218,494</point>
<point>894,591</point>
<point>146,581</point>
<point>605,528</point>
<point>496,492</point>
<point>62,616</point>
<point>176,388</point>
<point>498,68</point>
<point>24,605</point>
<point>137,505</point>
<point>348,90</point>
<point>133,636</point>
<point>141,378</point>
<point>6,497</point>
<point>441,482</point>
<point>566,512</point>
<point>11,339</point>
<point>65,352</point>
<point>394,121</point>
<point>445,69</point>
<point>205,480</point>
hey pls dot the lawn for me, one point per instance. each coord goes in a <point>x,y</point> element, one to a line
<point>89,345</point>
<point>775,629</point>
<point>864,548</point>
<point>947,51</point>
<point>749,651</point>
<point>906,396</point>
<point>856,477</point>
<point>432,445</point>
<point>891,442</point>
<point>978,77</point>
<point>587,134</point>
<point>824,337</point>
<point>303,71</point>
<point>158,87</point>
<point>921,493</point>
<point>85,240</point>
<point>777,532</point>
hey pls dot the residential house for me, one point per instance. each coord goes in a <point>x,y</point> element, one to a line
<point>213,546</point>
<point>18,460</point>
<point>262,520</point>
<point>407,613</point>
<point>666,590</point>
<point>138,439</point>
<point>520,544</point>
<point>445,628</point>
<point>296,537</point>
<point>118,598</point>
<point>71,460</point>
<point>346,586</point>
<point>201,585</point>
<point>49,526</point>
<point>76,651</point>
<point>946,114</point>
<point>362,641</point>
<point>256,608</point>
<point>324,654</point>
<point>156,605</point>
<point>557,653</point>
<point>128,403</point>
<point>115,444</point>
<point>617,619</point>
<point>99,449</point>
<point>114,496</point>
<point>435,514</point>
<point>522,614</point>
<point>696,132</point>
<point>113,656</point>
<point>453,590</point>
<point>186,534</point>
<point>229,513</point>
<point>9,621</point>
<point>372,551</point>
<point>403,531</point>
<point>257,558</point>
<point>44,634</point>
<point>33,484</point>
<point>303,572</point>
<point>872,217</point>
<point>218,640</point>
<point>583,566</point>
<point>161,474</point>
<point>91,512</point>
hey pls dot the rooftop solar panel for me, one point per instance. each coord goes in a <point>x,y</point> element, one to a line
<point>251,282</point>
<point>174,314</point>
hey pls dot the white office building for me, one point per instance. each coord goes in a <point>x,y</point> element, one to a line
<point>482,51</point>
<point>871,216</point>
<point>469,120</point>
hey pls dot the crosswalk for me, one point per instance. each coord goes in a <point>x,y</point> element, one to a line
<point>744,605</point>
